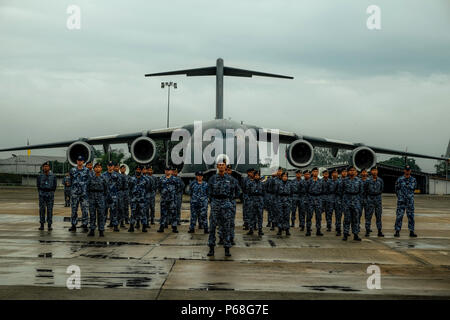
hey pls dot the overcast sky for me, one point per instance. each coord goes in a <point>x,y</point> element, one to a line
<point>388,87</point>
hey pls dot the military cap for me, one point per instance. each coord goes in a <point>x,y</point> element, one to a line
<point>250,170</point>
<point>333,170</point>
<point>122,165</point>
<point>229,166</point>
<point>80,158</point>
<point>110,163</point>
<point>199,173</point>
<point>350,167</point>
<point>90,161</point>
<point>324,171</point>
<point>315,168</point>
<point>167,168</point>
<point>407,167</point>
<point>149,167</point>
<point>305,171</point>
<point>298,171</point>
<point>374,168</point>
<point>257,172</point>
<point>46,163</point>
<point>285,173</point>
<point>97,164</point>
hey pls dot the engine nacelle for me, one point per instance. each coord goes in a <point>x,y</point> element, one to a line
<point>300,153</point>
<point>143,150</point>
<point>363,158</point>
<point>79,148</point>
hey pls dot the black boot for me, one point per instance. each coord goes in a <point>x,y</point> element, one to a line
<point>205,230</point>
<point>338,233</point>
<point>232,242</point>
<point>50,227</point>
<point>380,234</point>
<point>131,229</point>
<point>191,230</point>
<point>227,252</point>
<point>174,229</point>
<point>287,232</point>
<point>245,226</point>
<point>268,224</point>
<point>73,228</point>
<point>91,233</point>
<point>122,225</point>
<point>412,234</point>
<point>41,227</point>
<point>220,241</point>
<point>328,229</point>
<point>101,233</point>
<point>356,238</point>
<point>250,233</point>
<point>116,229</point>
<point>85,228</point>
<point>308,232</point>
<point>302,228</point>
<point>161,228</point>
<point>279,232</point>
<point>318,233</point>
<point>273,227</point>
<point>397,234</point>
<point>152,221</point>
<point>211,251</point>
<point>292,225</point>
<point>260,232</point>
<point>345,237</point>
<point>144,228</point>
<point>367,233</point>
<point>127,221</point>
<point>138,225</point>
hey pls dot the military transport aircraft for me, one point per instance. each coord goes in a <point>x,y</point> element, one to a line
<point>299,153</point>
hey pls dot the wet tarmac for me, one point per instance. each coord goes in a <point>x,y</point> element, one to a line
<point>33,263</point>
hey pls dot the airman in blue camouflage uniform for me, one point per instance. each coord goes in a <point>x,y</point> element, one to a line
<point>126,195</point>
<point>276,200</point>
<point>180,192</point>
<point>296,203</point>
<point>122,190</point>
<point>315,191</point>
<point>364,203</point>
<point>284,195</point>
<point>90,166</point>
<point>404,188</point>
<point>304,199</point>
<point>374,188</point>
<point>329,196</point>
<point>198,190</point>
<point>339,211</point>
<point>270,190</point>
<point>168,187</point>
<point>97,192</point>
<point>352,188</point>
<point>113,181</point>
<point>220,191</point>
<point>246,205</point>
<point>154,182</point>
<point>66,183</point>
<point>46,185</point>
<point>236,194</point>
<point>256,193</point>
<point>79,177</point>
<point>138,188</point>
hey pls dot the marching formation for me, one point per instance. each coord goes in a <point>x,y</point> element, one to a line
<point>110,195</point>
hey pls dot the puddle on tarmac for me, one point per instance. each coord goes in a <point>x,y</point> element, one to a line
<point>211,286</point>
<point>325,288</point>
<point>415,245</point>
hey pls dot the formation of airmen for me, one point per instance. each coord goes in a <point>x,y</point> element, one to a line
<point>110,195</point>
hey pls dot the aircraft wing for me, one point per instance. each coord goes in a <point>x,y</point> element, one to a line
<point>288,137</point>
<point>101,140</point>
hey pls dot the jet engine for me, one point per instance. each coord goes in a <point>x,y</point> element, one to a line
<point>79,148</point>
<point>143,150</point>
<point>363,158</point>
<point>300,153</point>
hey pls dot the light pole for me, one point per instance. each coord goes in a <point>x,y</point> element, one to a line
<point>168,85</point>
<point>15,158</point>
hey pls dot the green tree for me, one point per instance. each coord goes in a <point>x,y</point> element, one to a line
<point>400,163</point>
<point>441,168</point>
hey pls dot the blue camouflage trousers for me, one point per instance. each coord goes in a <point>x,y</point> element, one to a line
<point>402,206</point>
<point>374,204</point>
<point>152,206</point>
<point>315,206</point>
<point>138,214</point>
<point>179,204</point>
<point>256,212</point>
<point>221,217</point>
<point>295,205</point>
<point>126,206</point>
<point>220,232</point>
<point>364,207</point>
<point>199,211</point>
<point>147,206</point>
<point>338,211</point>
<point>168,213</point>
<point>284,210</point>
<point>67,197</point>
<point>46,200</point>
<point>97,209</point>
<point>352,209</point>
<point>245,208</point>
<point>121,206</point>
<point>112,205</point>
<point>329,204</point>
<point>270,208</point>
<point>83,202</point>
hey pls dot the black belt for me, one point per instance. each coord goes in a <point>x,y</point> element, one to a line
<point>219,196</point>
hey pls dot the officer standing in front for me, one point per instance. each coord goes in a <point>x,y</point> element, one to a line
<point>404,188</point>
<point>154,183</point>
<point>296,196</point>
<point>138,188</point>
<point>284,195</point>
<point>221,216</point>
<point>97,193</point>
<point>79,177</point>
<point>256,193</point>
<point>168,187</point>
<point>66,183</point>
<point>352,188</point>
<point>236,194</point>
<point>315,191</point>
<point>46,185</point>
<point>374,188</point>
<point>126,195</point>
<point>121,191</point>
